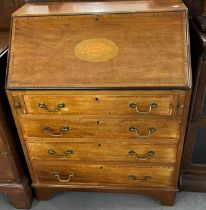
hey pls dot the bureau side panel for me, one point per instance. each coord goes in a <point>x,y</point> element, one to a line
<point>185,100</point>
<point>15,104</point>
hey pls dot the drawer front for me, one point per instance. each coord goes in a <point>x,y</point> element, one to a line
<point>109,151</point>
<point>101,104</point>
<point>101,128</point>
<point>66,174</point>
<point>6,175</point>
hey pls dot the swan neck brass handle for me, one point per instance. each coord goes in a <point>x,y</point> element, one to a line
<point>146,110</point>
<point>150,131</point>
<point>144,179</point>
<point>59,106</point>
<point>70,175</point>
<point>52,132</point>
<point>145,156</point>
<point>55,154</point>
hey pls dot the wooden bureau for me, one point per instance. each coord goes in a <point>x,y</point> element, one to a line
<point>100,94</point>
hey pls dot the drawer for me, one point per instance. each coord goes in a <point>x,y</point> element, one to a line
<point>97,104</point>
<point>5,163</point>
<point>121,129</point>
<point>109,151</point>
<point>62,173</point>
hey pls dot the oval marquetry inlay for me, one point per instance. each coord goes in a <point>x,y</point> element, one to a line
<point>96,50</point>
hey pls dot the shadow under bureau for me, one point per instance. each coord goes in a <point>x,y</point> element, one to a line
<point>100,95</point>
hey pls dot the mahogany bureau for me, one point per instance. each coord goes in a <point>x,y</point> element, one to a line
<point>100,94</point>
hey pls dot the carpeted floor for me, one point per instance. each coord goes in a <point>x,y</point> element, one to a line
<point>105,201</point>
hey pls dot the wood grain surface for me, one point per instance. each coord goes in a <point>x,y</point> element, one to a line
<point>121,129</point>
<point>102,152</point>
<point>114,104</point>
<point>8,175</point>
<point>56,8</point>
<point>151,47</point>
<point>103,174</point>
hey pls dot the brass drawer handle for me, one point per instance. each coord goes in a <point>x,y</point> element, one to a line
<point>70,175</point>
<point>146,156</point>
<point>58,107</point>
<point>150,131</point>
<point>51,131</point>
<point>147,110</point>
<point>5,154</point>
<point>55,154</point>
<point>144,179</point>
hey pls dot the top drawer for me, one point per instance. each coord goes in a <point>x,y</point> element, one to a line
<point>101,104</point>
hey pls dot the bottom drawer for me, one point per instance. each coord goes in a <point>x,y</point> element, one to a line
<point>64,173</point>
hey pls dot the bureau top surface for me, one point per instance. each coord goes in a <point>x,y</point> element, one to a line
<point>133,44</point>
<point>51,8</point>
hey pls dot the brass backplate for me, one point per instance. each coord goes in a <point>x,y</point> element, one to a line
<point>96,50</point>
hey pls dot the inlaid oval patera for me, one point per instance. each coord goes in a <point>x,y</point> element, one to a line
<point>96,50</point>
